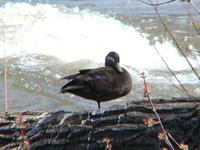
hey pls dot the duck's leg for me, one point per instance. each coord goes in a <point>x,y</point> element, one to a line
<point>99,106</point>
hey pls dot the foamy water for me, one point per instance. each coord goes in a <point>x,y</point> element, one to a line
<point>43,42</point>
<point>71,34</point>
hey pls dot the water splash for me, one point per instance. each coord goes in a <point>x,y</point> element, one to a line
<point>71,34</point>
<point>44,42</point>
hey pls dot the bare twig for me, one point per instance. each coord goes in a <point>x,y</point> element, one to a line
<point>195,27</point>
<point>147,94</point>
<point>174,140</point>
<point>165,135</point>
<point>5,79</point>
<point>175,41</point>
<point>185,90</point>
<point>192,19</point>
<point>175,86</point>
<point>193,6</point>
<point>157,4</point>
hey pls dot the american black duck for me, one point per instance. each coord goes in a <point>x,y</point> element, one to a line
<point>101,84</point>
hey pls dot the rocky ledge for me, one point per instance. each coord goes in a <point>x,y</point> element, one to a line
<point>125,127</point>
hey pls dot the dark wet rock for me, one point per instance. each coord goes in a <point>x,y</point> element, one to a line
<point>120,127</point>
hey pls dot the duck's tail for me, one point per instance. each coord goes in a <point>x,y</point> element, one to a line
<point>66,89</point>
<point>70,77</point>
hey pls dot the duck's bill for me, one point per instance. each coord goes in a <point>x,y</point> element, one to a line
<point>119,68</point>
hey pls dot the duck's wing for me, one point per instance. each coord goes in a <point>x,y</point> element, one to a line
<point>81,79</point>
<point>77,81</point>
<point>110,81</point>
<point>100,79</point>
<point>106,84</point>
<point>73,76</point>
<point>104,79</point>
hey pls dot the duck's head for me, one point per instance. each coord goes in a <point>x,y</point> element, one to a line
<point>112,60</point>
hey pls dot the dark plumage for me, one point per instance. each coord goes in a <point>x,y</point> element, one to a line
<point>101,84</point>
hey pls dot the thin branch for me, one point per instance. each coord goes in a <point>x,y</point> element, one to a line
<point>193,6</point>
<point>5,79</point>
<point>146,93</point>
<point>193,52</point>
<point>174,140</point>
<point>192,20</point>
<point>173,85</point>
<point>195,27</point>
<point>185,90</point>
<point>176,43</point>
<point>157,4</point>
